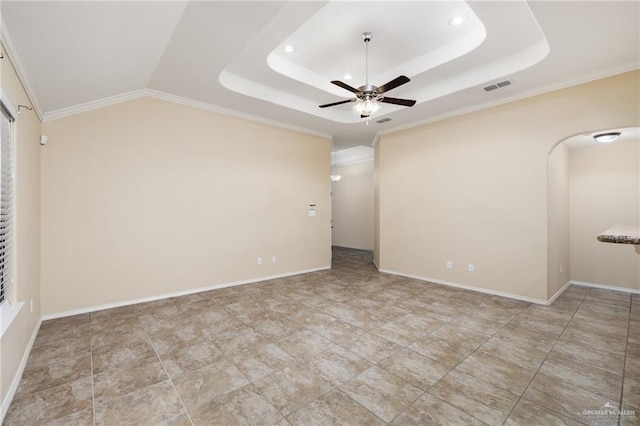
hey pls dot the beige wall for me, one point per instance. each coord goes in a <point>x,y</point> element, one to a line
<point>558,220</point>
<point>15,341</point>
<point>376,205</point>
<point>352,206</point>
<point>148,198</point>
<point>605,191</point>
<point>473,189</point>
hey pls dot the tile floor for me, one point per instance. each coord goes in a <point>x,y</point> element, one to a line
<point>343,346</point>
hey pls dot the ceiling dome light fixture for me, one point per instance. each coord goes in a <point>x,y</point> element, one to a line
<point>289,48</point>
<point>607,137</point>
<point>456,20</point>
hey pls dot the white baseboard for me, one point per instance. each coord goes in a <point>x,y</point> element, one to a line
<point>18,375</point>
<point>558,293</point>
<point>606,287</point>
<point>469,287</point>
<point>175,294</point>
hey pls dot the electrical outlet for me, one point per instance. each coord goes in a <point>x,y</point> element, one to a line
<point>561,270</point>
<point>449,264</point>
<point>31,304</point>
<point>470,267</point>
<point>259,261</point>
<point>274,259</point>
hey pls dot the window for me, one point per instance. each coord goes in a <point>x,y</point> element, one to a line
<point>6,199</point>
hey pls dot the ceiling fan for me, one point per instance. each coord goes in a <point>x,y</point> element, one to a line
<point>369,95</point>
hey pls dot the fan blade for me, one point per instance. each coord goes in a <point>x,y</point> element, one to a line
<point>398,81</point>
<point>345,86</point>
<point>337,103</point>
<point>396,101</point>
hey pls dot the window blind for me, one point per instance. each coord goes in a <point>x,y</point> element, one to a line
<point>6,203</point>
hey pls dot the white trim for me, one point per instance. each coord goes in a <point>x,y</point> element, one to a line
<point>16,378</point>
<point>93,105</point>
<point>175,294</point>
<point>469,287</point>
<point>376,139</point>
<point>606,287</point>
<point>354,162</point>
<point>8,312</point>
<point>558,293</point>
<point>524,95</point>
<point>4,98</point>
<point>12,52</point>
<point>113,100</point>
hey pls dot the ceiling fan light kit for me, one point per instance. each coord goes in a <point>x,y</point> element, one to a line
<point>369,97</point>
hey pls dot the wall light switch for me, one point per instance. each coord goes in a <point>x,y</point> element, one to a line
<point>449,264</point>
<point>312,213</point>
<point>259,261</point>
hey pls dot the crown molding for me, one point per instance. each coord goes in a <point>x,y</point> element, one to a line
<point>12,53</point>
<point>232,113</point>
<point>528,94</point>
<point>136,94</point>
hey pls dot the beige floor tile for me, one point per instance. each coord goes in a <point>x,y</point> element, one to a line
<point>479,324</point>
<point>499,373</point>
<point>584,377</point>
<point>114,383</point>
<point>79,418</point>
<point>588,356</point>
<point>50,404</point>
<point>428,410</point>
<point>334,408</point>
<point>260,360</point>
<point>444,351</point>
<point>523,355</point>
<point>399,333</point>
<point>568,400</point>
<point>233,340</point>
<point>629,416</point>
<point>151,405</point>
<point>416,369</point>
<point>304,343</point>
<point>112,358</point>
<point>631,392</point>
<point>182,359</point>
<point>527,413</point>
<point>477,398</point>
<point>354,316</point>
<point>336,364</point>
<point>458,334</point>
<point>208,383</point>
<point>292,388</point>
<point>244,406</point>
<point>53,372</point>
<point>335,330</point>
<point>381,392</point>
<point>371,347</point>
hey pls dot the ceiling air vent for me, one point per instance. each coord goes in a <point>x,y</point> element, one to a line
<point>498,85</point>
<point>383,120</point>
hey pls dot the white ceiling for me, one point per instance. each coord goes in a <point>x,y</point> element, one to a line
<point>229,57</point>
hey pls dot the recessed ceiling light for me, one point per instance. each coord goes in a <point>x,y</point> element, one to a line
<point>347,77</point>
<point>607,137</point>
<point>456,20</point>
<point>289,48</point>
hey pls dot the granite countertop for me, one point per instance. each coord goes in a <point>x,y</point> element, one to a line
<point>621,234</point>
